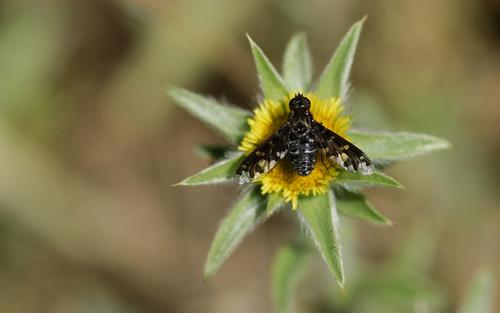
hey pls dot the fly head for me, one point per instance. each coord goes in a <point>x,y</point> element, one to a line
<point>299,103</point>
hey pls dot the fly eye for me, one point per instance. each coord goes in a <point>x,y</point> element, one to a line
<point>294,104</point>
<point>306,103</point>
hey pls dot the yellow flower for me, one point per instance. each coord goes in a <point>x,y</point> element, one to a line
<point>267,119</point>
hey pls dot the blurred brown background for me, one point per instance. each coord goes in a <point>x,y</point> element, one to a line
<point>90,146</point>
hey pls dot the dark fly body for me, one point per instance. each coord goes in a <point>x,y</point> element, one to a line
<point>302,140</point>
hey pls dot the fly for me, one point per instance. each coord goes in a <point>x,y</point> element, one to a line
<point>301,140</point>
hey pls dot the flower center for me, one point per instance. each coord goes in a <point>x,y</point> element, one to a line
<point>268,117</point>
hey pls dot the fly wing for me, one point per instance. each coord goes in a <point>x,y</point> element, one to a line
<point>346,154</point>
<point>265,157</point>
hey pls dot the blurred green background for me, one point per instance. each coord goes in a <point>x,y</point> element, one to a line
<point>90,146</point>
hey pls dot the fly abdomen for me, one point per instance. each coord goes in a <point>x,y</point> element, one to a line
<point>302,152</point>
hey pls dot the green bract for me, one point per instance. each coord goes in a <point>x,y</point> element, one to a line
<point>318,213</point>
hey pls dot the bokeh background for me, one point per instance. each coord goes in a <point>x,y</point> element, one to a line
<point>90,147</point>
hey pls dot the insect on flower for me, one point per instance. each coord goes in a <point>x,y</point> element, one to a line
<point>297,151</point>
<point>301,140</point>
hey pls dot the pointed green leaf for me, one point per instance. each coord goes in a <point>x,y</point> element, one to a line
<point>271,83</point>
<point>274,203</point>
<point>229,121</point>
<point>287,268</point>
<point>349,178</point>
<point>479,297</point>
<point>355,205</point>
<point>220,172</point>
<point>396,145</point>
<point>334,81</point>
<point>248,212</point>
<point>320,217</point>
<point>297,68</point>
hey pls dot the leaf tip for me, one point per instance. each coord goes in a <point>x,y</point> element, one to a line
<point>360,23</point>
<point>382,220</point>
<point>391,182</point>
<point>387,222</point>
<point>398,185</point>
<point>254,47</point>
<point>440,143</point>
<point>172,91</point>
<point>210,269</point>
<point>341,282</point>
<point>207,274</point>
<point>299,36</point>
<point>184,182</point>
<point>445,144</point>
<point>250,40</point>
